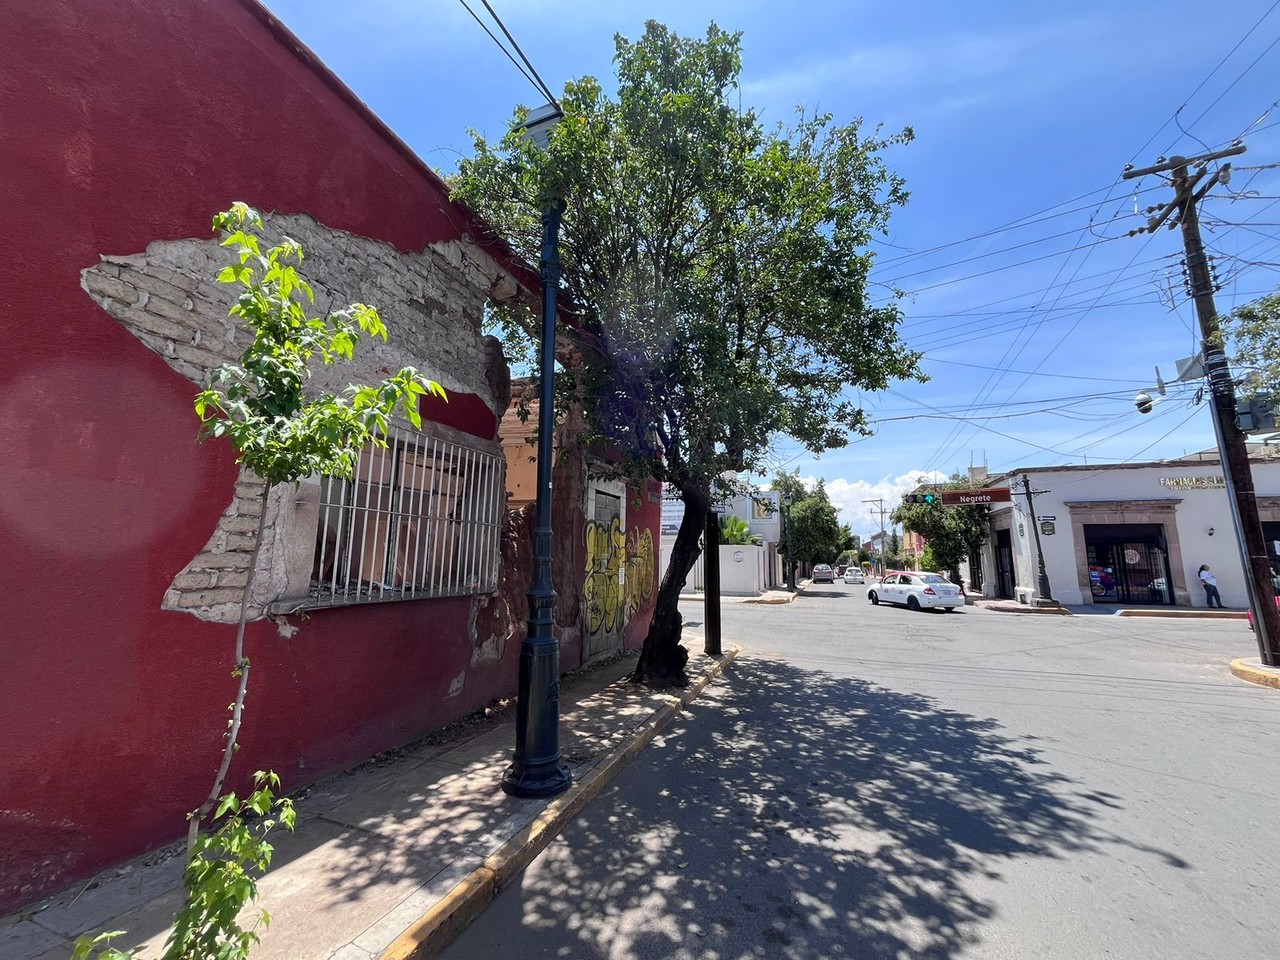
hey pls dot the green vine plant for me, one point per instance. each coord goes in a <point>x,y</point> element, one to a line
<point>283,434</point>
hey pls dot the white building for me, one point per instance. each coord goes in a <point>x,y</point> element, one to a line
<point>744,570</point>
<point>1123,534</point>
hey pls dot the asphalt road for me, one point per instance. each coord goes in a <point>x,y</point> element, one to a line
<point>868,782</point>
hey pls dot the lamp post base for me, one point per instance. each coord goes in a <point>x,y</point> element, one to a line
<point>536,781</point>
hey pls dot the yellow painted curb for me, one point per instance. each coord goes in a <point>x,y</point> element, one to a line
<point>1256,673</point>
<point>449,916</point>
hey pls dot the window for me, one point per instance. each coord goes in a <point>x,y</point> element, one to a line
<point>420,518</point>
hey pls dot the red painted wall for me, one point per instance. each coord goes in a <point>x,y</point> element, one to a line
<point>123,123</point>
<point>647,516</point>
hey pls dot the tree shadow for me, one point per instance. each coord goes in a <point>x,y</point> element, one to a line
<point>793,813</point>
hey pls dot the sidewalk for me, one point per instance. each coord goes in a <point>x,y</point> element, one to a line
<point>777,595</point>
<point>394,858</point>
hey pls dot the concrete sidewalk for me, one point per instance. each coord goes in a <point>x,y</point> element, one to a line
<point>774,596</point>
<point>393,858</point>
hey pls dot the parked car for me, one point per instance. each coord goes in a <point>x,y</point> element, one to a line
<point>853,574</point>
<point>918,591</point>
<point>823,573</point>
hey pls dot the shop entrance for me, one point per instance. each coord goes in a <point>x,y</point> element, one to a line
<point>1128,563</point>
<point>1005,581</point>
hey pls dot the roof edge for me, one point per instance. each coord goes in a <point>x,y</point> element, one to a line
<point>492,242</point>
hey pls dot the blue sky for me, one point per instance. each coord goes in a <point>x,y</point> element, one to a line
<point>1022,112</point>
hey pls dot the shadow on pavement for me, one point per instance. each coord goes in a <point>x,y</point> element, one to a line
<point>793,813</point>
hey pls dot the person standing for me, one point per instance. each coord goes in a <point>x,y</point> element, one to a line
<point>1210,583</point>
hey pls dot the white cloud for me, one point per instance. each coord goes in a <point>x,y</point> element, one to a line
<point>965,68</point>
<point>848,497</point>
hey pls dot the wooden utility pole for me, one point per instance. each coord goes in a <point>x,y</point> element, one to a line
<point>883,544</point>
<point>1232,449</point>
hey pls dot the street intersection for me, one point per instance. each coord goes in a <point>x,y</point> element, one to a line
<point>876,782</point>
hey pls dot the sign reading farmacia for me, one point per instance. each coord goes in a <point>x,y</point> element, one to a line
<point>1193,483</point>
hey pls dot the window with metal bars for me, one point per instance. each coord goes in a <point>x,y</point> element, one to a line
<point>420,518</point>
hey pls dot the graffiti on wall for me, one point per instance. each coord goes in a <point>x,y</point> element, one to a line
<point>620,571</point>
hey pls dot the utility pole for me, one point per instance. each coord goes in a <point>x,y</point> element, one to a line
<point>711,596</point>
<point>880,557</point>
<point>1232,449</point>
<point>1045,592</point>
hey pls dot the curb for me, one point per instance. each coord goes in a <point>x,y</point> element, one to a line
<point>1046,611</point>
<point>1256,673</point>
<point>449,916</point>
<point>1175,614</point>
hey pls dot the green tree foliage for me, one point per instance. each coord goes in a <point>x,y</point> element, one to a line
<point>952,532</point>
<point>717,269</point>
<point>734,531</point>
<point>1254,330</point>
<point>929,561</point>
<point>789,485</point>
<point>893,550</point>
<point>815,531</point>
<point>260,404</point>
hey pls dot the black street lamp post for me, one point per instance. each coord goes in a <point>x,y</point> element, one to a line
<point>536,768</point>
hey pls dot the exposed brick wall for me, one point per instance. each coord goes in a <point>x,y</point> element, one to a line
<point>433,304</point>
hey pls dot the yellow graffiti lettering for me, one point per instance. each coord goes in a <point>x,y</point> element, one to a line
<point>620,571</point>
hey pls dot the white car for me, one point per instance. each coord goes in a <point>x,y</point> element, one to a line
<point>918,591</point>
<point>853,575</point>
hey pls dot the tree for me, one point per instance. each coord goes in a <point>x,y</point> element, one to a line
<point>789,486</point>
<point>928,561</point>
<point>815,531</point>
<point>1255,331</point>
<point>952,532</point>
<point>893,549</point>
<point>734,531</point>
<point>717,271</point>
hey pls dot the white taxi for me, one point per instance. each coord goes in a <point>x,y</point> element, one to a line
<point>917,591</point>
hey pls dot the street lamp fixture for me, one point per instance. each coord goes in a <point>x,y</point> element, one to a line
<point>536,768</point>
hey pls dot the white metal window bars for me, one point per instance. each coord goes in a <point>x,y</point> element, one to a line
<point>420,518</point>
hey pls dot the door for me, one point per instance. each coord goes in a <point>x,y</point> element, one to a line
<point>603,588</point>
<point>1005,580</point>
<point>1128,563</point>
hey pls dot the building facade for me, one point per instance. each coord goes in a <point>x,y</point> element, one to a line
<point>1124,534</point>
<point>386,606</point>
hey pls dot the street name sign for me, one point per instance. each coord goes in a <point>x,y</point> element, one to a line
<point>964,498</point>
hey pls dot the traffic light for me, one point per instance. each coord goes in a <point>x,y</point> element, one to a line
<point>929,499</point>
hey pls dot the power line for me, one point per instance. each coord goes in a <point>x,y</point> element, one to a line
<point>1013,266</point>
<point>1134,456</point>
<point>551,97</point>
<point>1208,77</point>
<point>1011,225</point>
<point>1132,286</point>
<point>1001,433</point>
<point>529,74</point>
<point>996,253</point>
<point>969,311</point>
<point>993,379</point>
<point>1058,376</point>
<point>1243,72</point>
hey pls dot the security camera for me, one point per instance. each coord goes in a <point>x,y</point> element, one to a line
<point>1143,402</point>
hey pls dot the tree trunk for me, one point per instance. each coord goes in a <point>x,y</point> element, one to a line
<point>240,670</point>
<point>662,658</point>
